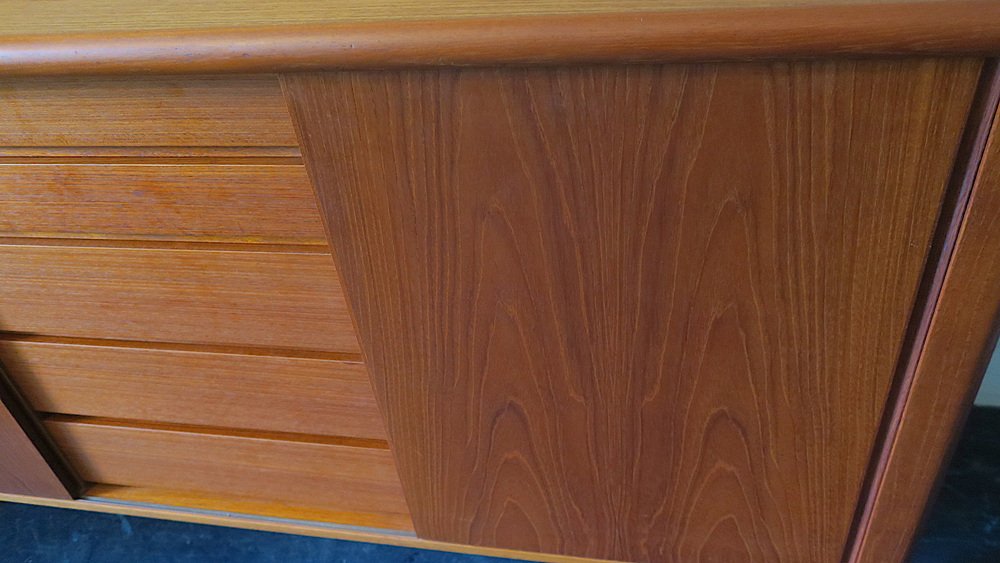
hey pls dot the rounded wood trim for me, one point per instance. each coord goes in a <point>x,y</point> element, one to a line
<point>934,27</point>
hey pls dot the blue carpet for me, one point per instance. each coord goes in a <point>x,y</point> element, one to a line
<point>35,534</point>
<point>964,524</point>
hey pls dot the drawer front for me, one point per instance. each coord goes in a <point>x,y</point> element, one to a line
<point>170,305</point>
<point>243,111</point>
<point>209,202</point>
<point>271,393</point>
<point>330,475</point>
<point>239,297</point>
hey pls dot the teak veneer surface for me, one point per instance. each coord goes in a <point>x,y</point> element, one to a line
<point>264,392</point>
<point>961,337</point>
<point>222,297</point>
<point>243,202</point>
<point>642,313</point>
<point>324,475</point>
<point>150,155</point>
<point>232,111</point>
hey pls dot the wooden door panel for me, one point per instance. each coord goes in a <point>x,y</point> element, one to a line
<point>640,313</point>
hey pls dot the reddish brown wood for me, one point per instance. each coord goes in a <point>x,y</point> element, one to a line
<point>29,465</point>
<point>297,470</point>
<point>237,509</point>
<point>951,353</point>
<point>209,202</point>
<point>269,298</point>
<point>150,155</point>
<point>225,389</point>
<point>226,111</point>
<point>720,32</point>
<point>643,313</point>
<point>23,470</point>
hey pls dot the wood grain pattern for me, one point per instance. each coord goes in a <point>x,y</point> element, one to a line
<point>160,111</point>
<point>642,313</point>
<point>383,34</point>
<point>330,476</point>
<point>269,299</point>
<point>242,203</point>
<point>284,394</point>
<point>24,469</point>
<point>961,337</point>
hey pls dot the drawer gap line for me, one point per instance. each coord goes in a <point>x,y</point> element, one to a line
<point>235,349</point>
<point>152,244</point>
<point>344,441</point>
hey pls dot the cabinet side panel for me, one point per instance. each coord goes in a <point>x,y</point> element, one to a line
<point>24,470</point>
<point>948,365</point>
<point>639,313</point>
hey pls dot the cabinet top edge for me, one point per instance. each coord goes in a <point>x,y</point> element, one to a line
<point>37,39</point>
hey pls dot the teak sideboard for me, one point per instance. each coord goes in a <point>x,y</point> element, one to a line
<point>648,280</point>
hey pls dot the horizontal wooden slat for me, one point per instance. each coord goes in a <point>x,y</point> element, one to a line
<point>210,155</point>
<point>154,112</point>
<point>330,476</point>
<point>305,395</point>
<point>174,202</point>
<point>269,299</point>
<point>230,504</point>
